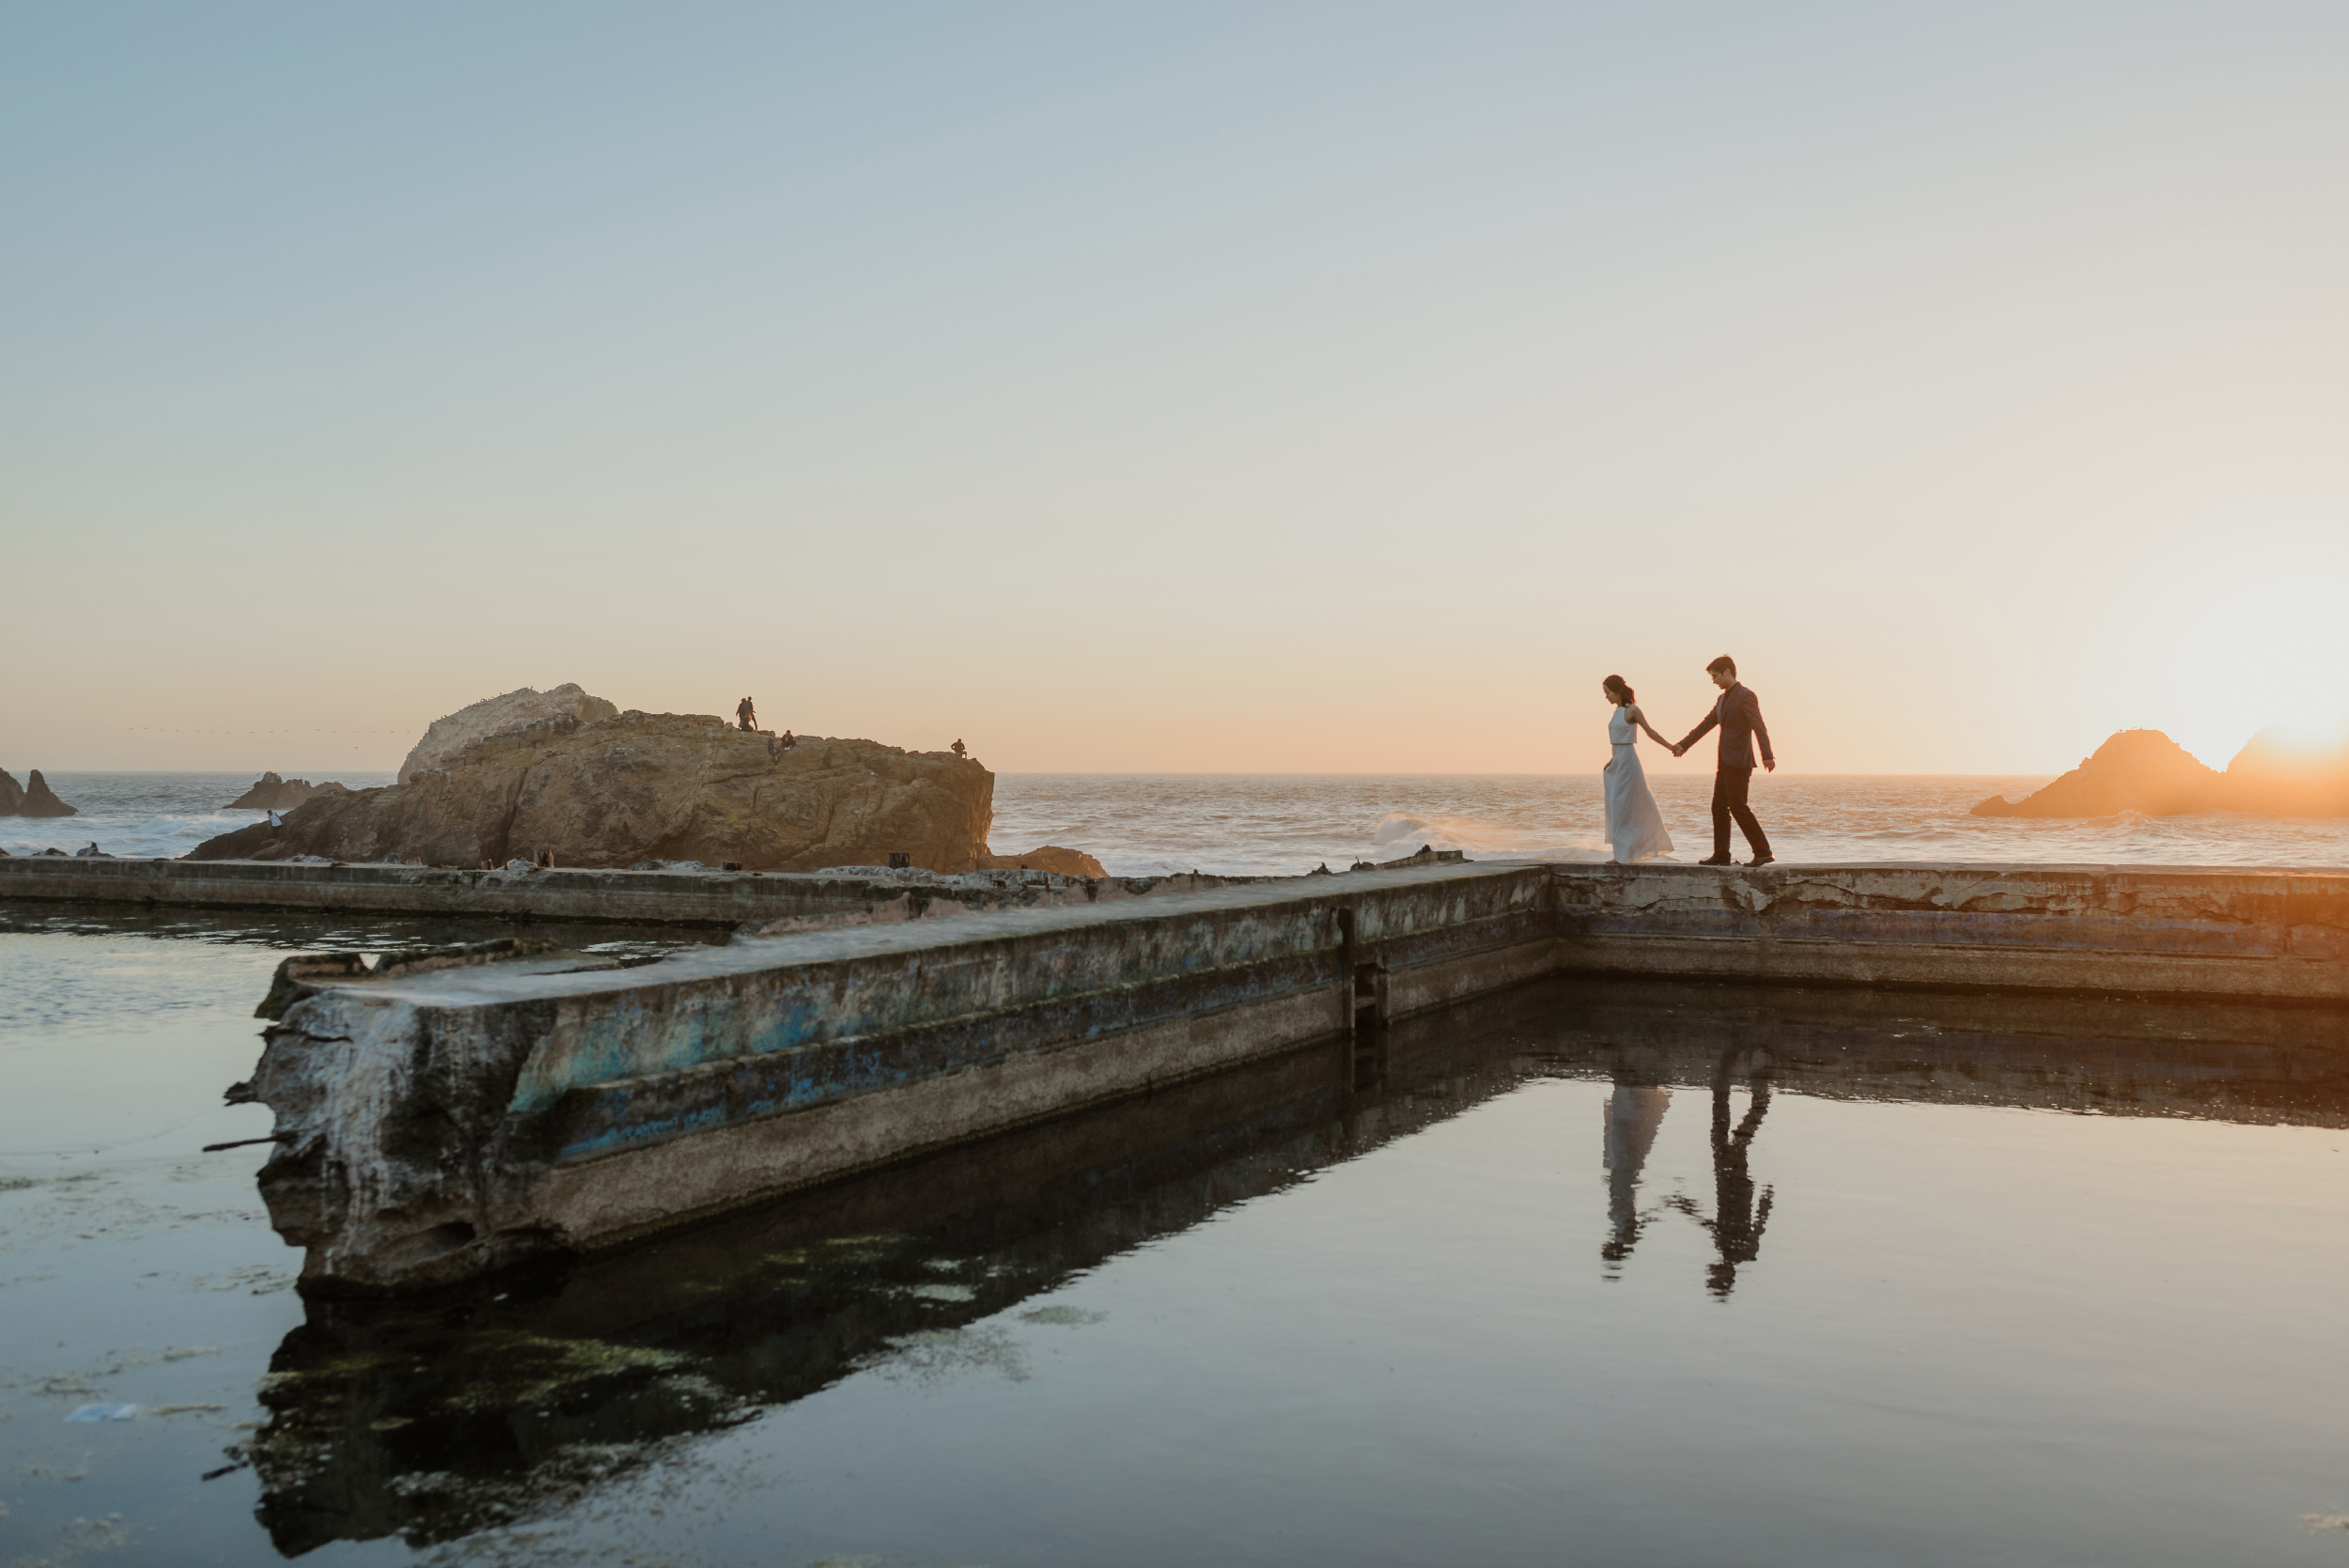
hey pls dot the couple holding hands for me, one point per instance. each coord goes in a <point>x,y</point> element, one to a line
<point>1634,828</point>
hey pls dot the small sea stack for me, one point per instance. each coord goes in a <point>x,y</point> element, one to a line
<point>34,798</point>
<point>272,793</point>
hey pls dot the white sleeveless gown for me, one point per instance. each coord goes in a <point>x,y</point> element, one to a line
<point>1634,828</point>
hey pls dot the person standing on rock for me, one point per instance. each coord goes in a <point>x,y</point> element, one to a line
<point>1738,712</point>
<point>745,715</point>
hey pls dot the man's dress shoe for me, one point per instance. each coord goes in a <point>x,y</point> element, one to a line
<point>1717,860</point>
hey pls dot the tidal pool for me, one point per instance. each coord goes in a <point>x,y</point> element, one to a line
<point>1591,1272</point>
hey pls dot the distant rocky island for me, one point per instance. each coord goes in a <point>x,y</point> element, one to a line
<point>2146,771</point>
<point>566,779</point>
<point>33,797</point>
<point>272,793</point>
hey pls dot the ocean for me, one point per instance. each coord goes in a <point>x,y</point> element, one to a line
<point>1273,824</point>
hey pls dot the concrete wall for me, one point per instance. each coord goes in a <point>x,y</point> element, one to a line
<point>2277,935</point>
<point>440,1120</point>
<point>707,897</point>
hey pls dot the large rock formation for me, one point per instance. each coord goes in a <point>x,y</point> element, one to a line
<point>2286,773</point>
<point>493,716</point>
<point>35,800</point>
<point>2139,770</point>
<point>2278,774</point>
<point>272,793</point>
<point>611,792</point>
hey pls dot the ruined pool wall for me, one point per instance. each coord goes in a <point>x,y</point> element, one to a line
<point>437,1122</point>
<point>2271,935</point>
<point>434,1123</point>
<point>680,897</point>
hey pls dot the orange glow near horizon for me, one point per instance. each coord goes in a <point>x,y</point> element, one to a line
<point>2258,643</point>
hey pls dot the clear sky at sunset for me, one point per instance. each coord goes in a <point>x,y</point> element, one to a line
<point>1250,387</point>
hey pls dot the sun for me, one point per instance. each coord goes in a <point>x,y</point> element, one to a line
<point>2256,642</point>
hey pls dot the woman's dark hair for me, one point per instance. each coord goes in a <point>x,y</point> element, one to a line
<point>1616,687</point>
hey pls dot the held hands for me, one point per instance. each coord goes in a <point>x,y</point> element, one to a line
<point>1678,750</point>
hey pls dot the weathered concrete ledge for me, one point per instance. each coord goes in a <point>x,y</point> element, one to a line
<point>454,1116</point>
<point>441,1116</point>
<point>685,897</point>
<point>2279,935</point>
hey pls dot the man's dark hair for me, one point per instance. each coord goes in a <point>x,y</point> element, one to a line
<point>1723,665</point>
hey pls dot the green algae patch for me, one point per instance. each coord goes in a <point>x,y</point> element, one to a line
<point>537,1367</point>
<point>1069,1317</point>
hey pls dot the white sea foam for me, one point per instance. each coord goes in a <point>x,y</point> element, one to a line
<point>145,815</point>
<point>1401,833</point>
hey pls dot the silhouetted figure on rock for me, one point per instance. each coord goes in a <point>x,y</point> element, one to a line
<point>745,716</point>
<point>959,749</point>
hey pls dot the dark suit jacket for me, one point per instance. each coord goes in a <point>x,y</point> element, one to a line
<point>1739,715</point>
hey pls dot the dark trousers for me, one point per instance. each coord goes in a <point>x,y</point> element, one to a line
<point>1729,800</point>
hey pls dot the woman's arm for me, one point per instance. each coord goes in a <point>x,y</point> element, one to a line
<point>1640,718</point>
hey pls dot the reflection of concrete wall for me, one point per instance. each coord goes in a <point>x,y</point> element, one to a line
<point>437,1415</point>
<point>2227,1062</point>
<point>408,1417</point>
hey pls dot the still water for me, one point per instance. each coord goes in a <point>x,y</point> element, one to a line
<point>1589,1273</point>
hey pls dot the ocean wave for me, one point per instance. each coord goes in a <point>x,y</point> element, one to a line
<point>1401,833</point>
<point>150,835</point>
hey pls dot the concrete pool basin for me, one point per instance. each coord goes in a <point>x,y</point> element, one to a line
<point>438,1117</point>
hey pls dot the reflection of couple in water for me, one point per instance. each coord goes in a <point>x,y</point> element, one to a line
<point>1635,828</point>
<point>1634,1113</point>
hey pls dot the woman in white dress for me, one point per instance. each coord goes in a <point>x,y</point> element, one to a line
<point>1634,827</point>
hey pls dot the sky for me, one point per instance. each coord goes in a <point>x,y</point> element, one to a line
<point>1210,387</point>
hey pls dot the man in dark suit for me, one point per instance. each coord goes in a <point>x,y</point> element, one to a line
<point>1738,712</point>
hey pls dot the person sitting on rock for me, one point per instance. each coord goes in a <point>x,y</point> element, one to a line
<point>959,749</point>
<point>745,715</point>
<point>790,740</point>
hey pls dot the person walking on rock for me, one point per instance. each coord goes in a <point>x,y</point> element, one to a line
<point>1738,712</point>
<point>745,716</point>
